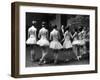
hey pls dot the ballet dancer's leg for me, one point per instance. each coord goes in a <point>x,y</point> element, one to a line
<point>55,56</point>
<point>32,55</point>
<point>44,53</point>
<point>75,50</point>
<point>84,49</point>
<point>80,51</point>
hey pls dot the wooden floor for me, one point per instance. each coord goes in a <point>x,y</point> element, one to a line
<point>50,59</point>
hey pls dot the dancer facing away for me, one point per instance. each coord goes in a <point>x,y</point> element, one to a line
<point>32,40</point>
<point>82,42</point>
<point>43,42</point>
<point>55,44</point>
<point>67,42</point>
<point>75,43</point>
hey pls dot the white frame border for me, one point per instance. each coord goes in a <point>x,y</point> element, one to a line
<point>52,69</point>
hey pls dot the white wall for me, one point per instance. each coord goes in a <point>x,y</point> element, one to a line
<point>5,40</point>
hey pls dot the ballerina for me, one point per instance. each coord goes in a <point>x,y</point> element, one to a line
<point>82,42</point>
<point>55,44</point>
<point>67,42</point>
<point>75,44</point>
<point>32,40</point>
<point>43,42</point>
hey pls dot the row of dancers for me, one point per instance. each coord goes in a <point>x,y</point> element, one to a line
<point>78,44</point>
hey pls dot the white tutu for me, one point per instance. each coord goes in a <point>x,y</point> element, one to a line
<point>55,45</point>
<point>76,42</point>
<point>31,40</point>
<point>81,42</point>
<point>43,42</point>
<point>67,44</point>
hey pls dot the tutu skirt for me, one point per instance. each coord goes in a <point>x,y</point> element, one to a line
<point>76,42</point>
<point>81,42</point>
<point>43,42</point>
<point>55,45</point>
<point>31,40</point>
<point>67,44</point>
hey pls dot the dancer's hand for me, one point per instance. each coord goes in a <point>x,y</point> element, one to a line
<point>62,28</point>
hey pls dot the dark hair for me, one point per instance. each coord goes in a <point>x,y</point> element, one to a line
<point>75,29</point>
<point>43,23</point>
<point>66,29</point>
<point>55,27</point>
<point>80,29</point>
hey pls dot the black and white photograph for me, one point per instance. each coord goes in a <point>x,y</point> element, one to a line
<point>57,39</point>
<point>51,39</point>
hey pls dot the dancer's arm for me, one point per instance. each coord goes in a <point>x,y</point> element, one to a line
<point>62,29</point>
<point>65,34</point>
<point>62,40</point>
<point>74,34</point>
<point>64,37</point>
<point>39,34</point>
<point>50,36</point>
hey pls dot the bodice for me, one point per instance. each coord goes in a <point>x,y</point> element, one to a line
<point>43,33</point>
<point>67,35</point>
<point>32,31</point>
<point>54,34</point>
